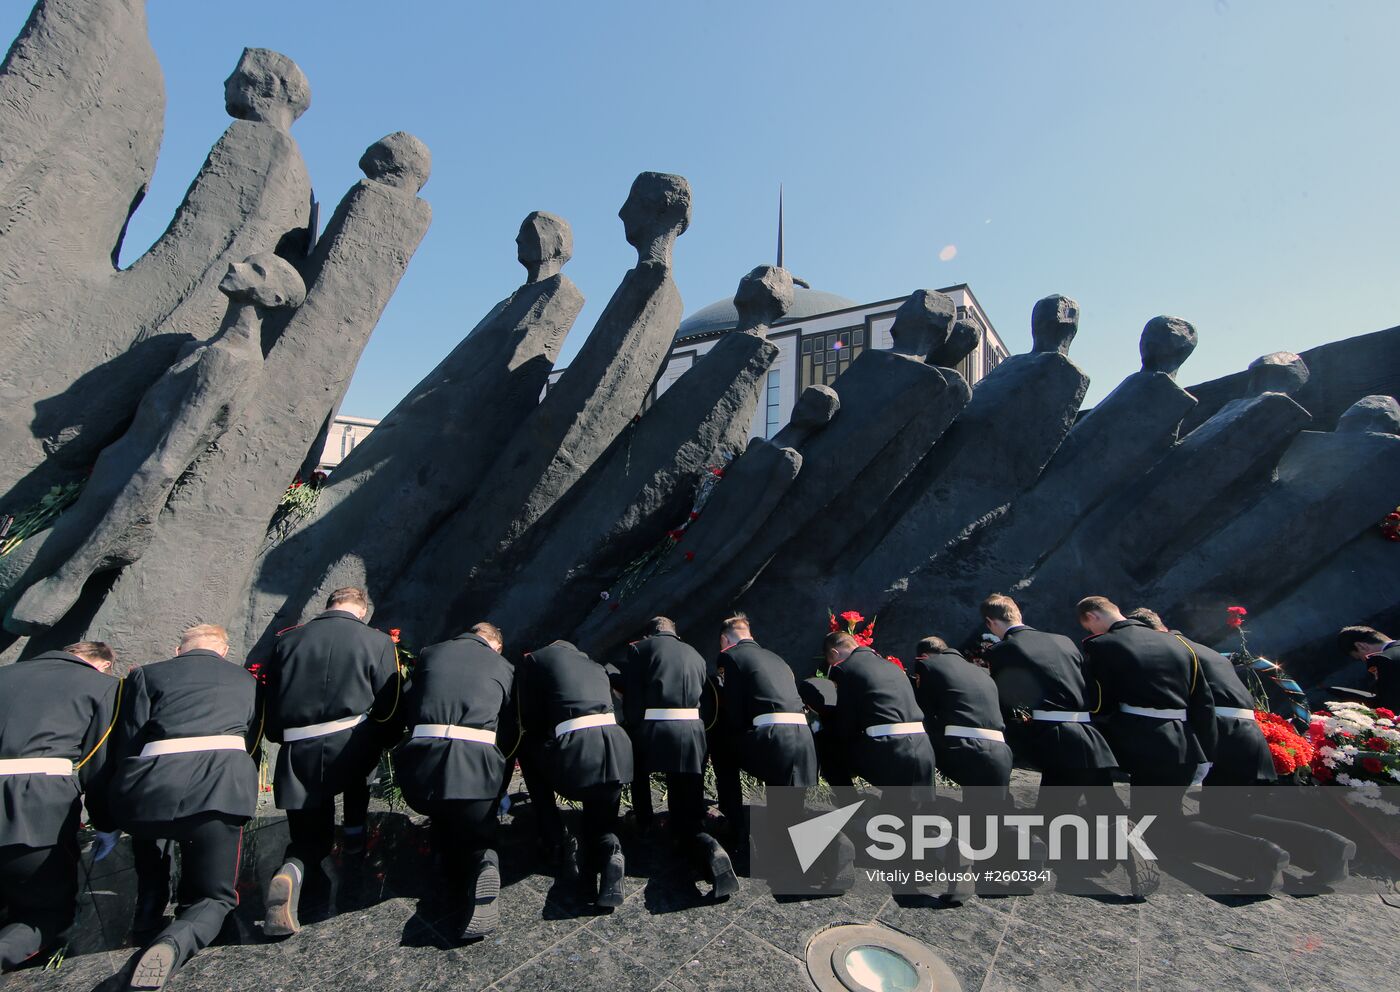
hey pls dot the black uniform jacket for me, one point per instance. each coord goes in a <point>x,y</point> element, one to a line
<point>664,672</point>
<point>1034,670</point>
<point>464,683</point>
<point>195,694</point>
<point>953,692</point>
<point>1241,753</point>
<point>329,668</point>
<point>1386,662</point>
<point>559,682</point>
<point>757,681</point>
<point>873,691</point>
<point>54,705</point>
<point>1139,666</point>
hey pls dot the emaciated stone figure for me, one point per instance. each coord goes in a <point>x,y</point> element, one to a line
<point>186,410</point>
<point>81,341</point>
<point>396,486</point>
<point>593,401</point>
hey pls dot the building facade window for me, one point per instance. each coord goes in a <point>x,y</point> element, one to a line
<point>775,410</point>
<point>823,357</point>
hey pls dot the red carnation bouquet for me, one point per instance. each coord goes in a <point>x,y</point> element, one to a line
<point>1289,749</point>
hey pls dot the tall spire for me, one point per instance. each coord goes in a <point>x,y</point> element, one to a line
<point>780,225</point>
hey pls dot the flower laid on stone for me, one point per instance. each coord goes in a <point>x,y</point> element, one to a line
<point>1236,616</point>
<point>1390,526</point>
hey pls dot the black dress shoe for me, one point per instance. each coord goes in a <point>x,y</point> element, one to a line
<point>610,888</point>
<point>483,914</point>
<point>719,868</point>
<point>156,966</point>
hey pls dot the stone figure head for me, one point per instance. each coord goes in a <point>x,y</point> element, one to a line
<point>399,160</point>
<point>816,406</point>
<point>763,296</point>
<point>1280,372</point>
<point>268,87</point>
<point>1054,323</point>
<point>921,323</point>
<point>657,212</point>
<point>1165,344</point>
<point>544,244</point>
<point>1371,415</point>
<point>963,339</point>
<point>266,280</point>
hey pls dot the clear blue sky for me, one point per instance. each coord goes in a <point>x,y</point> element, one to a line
<point>1232,163</point>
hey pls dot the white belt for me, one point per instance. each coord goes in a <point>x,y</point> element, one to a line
<point>980,733</point>
<point>1235,713</point>
<point>36,766</point>
<point>769,719</point>
<point>1153,712</point>
<point>188,745</point>
<point>584,722</point>
<point>894,729</point>
<point>452,732</point>
<point>1059,716</point>
<point>292,734</point>
<point>672,714</point>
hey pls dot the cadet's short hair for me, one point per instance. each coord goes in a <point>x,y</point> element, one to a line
<point>348,596</point>
<point>488,630</point>
<point>999,606</point>
<point>931,645</point>
<point>1096,604</point>
<point>93,651</point>
<point>736,625</point>
<point>203,633</point>
<point>1349,637</point>
<point>1147,616</point>
<point>660,625</point>
<point>839,640</point>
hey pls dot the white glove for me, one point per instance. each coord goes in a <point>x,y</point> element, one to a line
<point>105,844</point>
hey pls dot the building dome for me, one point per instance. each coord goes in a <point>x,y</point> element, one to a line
<point>723,316</point>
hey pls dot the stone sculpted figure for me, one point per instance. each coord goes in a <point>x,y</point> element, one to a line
<point>184,412</point>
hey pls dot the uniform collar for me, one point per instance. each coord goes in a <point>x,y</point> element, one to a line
<point>61,656</point>
<point>1016,628</point>
<point>746,640</point>
<point>469,636</point>
<point>666,633</point>
<point>202,653</point>
<point>338,613</point>
<point>1127,622</point>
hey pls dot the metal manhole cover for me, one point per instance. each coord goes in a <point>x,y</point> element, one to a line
<point>867,958</point>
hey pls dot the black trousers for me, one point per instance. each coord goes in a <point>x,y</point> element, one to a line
<point>464,833</point>
<point>210,846</point>
<point>312,831</point>
<point>39,887</point>
<point>598,819</point>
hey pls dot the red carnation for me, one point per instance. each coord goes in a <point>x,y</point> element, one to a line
<point>1238,611</point>
<point>1384,714</point>
<point>1284,763</point>
<point>852,617</point>
<point>394,634</point>
<point>864,640</point>
<point>690,556</point>
<point>1372,765</point>
<point>1322,773</point>
<point>895,661</point>
<point>1376,744</point>
<point>717,473</point>
<point>835,624</point>
<point>693,514</point>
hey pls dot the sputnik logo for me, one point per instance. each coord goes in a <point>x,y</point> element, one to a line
<point>811,837</point>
